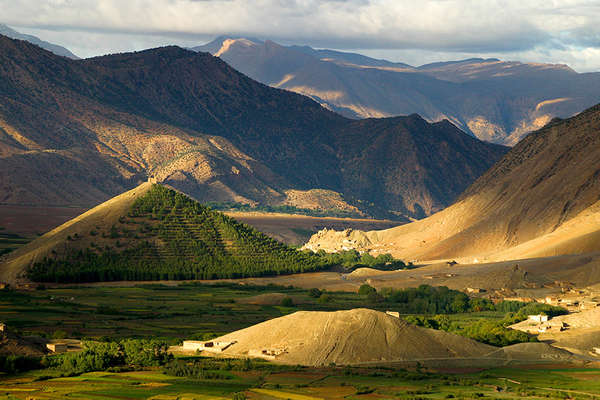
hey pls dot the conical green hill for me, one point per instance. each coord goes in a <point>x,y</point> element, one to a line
<point>160,234</point>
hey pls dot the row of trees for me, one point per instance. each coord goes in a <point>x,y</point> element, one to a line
<point>352,259</point>
<point>426,299</point>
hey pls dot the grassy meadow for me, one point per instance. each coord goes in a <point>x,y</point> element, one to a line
<point>297,383</point>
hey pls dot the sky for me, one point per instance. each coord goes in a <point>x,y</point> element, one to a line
<point>410,31</point>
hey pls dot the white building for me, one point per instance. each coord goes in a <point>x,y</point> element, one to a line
<point>538,318</point>
<point>211,346</point>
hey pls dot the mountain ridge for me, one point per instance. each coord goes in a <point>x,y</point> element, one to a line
<point>496,101</point>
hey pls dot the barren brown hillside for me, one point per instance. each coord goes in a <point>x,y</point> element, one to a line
<point>546,188</point>
<point>77,132</point>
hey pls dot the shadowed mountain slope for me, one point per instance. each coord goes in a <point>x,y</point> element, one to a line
<point>79,132</point>
<point>497,101</point>
<point>414,178</point>
<point>541,199</point>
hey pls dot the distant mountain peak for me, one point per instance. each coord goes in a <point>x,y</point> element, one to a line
<point>474,60</point>
<point>54,48</point>
<point>221,44</point>
<point>227,43</point>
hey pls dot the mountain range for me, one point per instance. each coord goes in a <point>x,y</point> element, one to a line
<point>541,199</point>
<point>77,132</point>
<point>497,101</point>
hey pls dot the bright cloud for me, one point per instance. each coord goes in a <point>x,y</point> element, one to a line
<point>535,27</point>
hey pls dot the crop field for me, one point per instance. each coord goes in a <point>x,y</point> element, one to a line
<point>32,221</point>
<point>183,311</point>
<point>11,241</point>
<point>187,310</point>
<point>298,383</point>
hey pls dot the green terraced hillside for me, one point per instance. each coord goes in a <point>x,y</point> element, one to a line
<point>155,233</point>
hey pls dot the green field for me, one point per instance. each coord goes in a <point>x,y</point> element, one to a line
<point>11,241</point>
<point>297,383</point>
<point>172,312</point>
<point>185,310</point>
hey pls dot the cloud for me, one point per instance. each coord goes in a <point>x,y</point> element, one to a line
<point>459,26</point>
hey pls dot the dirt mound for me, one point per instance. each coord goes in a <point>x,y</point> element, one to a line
<point>580,342</point>
<point>535,352</point>
<point>577,332</point>
<point>582,320</point>
<point>362,272</point>
<point>347,337</point>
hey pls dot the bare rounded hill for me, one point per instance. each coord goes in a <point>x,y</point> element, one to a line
<point>348,337</point>
<point>540,200</point>
<point>362,336</point>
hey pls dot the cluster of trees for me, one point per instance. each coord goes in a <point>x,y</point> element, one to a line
<point>518,311</point>
<point>434,304</point>
<point>426,299</point>
<point>12,363</point>
<point>352,259</point>
<point>101,356</point>
<point>195,242</point>
<point>232,206</point>
<point>493,332</point>
<point>205,368</point>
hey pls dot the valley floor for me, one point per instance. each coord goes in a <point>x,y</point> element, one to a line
<point>270,383</point>
<point>179,310</point>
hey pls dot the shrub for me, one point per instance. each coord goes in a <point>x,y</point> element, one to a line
<point>287,302</point>
<point>59,334</point>
<point>365,289</point>
<point>325,298</point>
